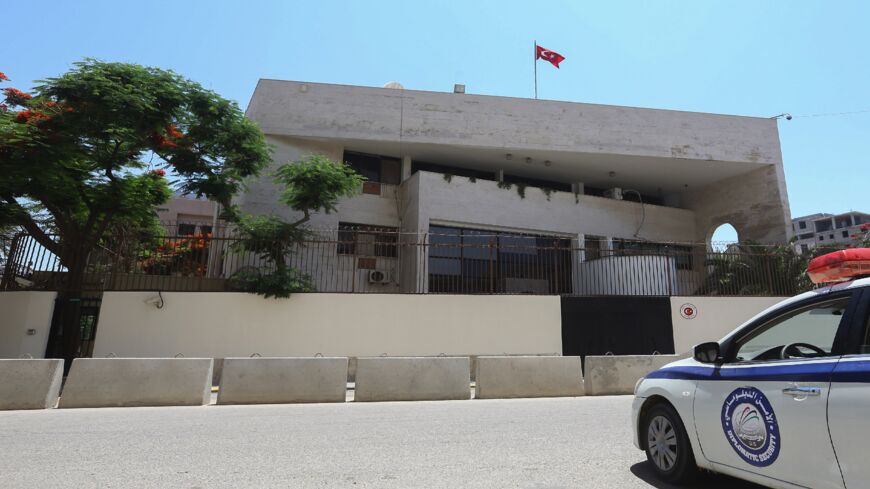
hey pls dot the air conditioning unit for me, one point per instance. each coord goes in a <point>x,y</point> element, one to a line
<point>613,193</point>
<point>379,277</point>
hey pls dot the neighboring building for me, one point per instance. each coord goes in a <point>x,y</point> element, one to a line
<point>451,170</point>
<point>184,215</point>
<point>823,229</point>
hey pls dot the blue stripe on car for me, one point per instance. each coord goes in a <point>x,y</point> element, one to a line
<point>804,372</point>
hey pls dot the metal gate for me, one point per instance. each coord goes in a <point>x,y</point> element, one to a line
<point>77,316</point>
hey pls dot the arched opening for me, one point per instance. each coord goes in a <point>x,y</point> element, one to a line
<point>722,237</point>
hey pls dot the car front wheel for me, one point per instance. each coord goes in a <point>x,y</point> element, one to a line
<point>667,445</point>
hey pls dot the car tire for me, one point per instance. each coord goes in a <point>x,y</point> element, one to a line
<point>667,445</point>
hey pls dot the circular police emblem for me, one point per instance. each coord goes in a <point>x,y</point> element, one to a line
<point>750,426</point>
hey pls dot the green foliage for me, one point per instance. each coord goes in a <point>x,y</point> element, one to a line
<point>312,184</point>
<point>269,237</point>
<point>472,179</point>
<point>316,183</point>
<point>750,269</point>
<point>547,191</point>
<point>448,177</point>
<point>278,284</point>
<point>74,154</point>
<point>521,190</point>
<point>505,185</point>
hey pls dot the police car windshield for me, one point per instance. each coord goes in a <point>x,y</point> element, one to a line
<point>816,325</point>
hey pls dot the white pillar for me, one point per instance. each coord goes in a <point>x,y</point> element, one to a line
<point>406,168</point>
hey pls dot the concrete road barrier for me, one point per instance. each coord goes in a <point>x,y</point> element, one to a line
<point>412,378</point>
<point>505,377</point>
<point>283,380</point>
<point>611,375</point>
<point>113,382</point>
<point>29,384</point>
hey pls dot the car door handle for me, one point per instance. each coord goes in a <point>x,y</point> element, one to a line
<point>802,391</point>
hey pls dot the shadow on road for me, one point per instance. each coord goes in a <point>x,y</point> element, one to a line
<point>645,473</point>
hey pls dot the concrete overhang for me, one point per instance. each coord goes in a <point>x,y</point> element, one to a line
<point>646,148</point>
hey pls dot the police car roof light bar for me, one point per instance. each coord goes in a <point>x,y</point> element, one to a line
<point>840,266</point>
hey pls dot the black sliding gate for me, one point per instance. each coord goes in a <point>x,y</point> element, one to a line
<point>616,326</point>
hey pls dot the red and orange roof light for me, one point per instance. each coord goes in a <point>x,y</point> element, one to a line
<point>840,266</point>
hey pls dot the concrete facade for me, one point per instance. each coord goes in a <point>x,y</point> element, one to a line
<point>198,214</point>
<point>829,229</point>
<point>701,170</point>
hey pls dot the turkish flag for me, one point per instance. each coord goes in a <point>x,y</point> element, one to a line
<point>552,56</point>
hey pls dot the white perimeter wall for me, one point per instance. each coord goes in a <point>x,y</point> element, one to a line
<point>20,311</point>
<point>224,324</point>
<point>221,324</point>
<point>717,316</point>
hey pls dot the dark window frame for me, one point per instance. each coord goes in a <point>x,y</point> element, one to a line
<point>385,243</point>
<point>375,168</point>
<point>485,261</point>
<point>186,229</point>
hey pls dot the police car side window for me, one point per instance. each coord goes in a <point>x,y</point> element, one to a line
<point>814,325</point>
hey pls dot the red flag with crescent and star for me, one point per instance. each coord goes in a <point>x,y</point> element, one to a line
<point>552,56</point>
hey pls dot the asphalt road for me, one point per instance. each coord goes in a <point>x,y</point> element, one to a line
<point>525,443</point>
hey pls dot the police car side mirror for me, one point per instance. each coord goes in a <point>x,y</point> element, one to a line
<point>706,352</point>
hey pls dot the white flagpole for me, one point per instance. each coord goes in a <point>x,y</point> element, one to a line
<point>535,58</point>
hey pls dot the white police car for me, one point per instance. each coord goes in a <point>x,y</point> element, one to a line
<point>782,401</point>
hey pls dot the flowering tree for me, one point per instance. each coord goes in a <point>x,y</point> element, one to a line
<point>74,154</point>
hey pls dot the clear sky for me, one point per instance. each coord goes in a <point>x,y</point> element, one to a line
<point>754,57</point>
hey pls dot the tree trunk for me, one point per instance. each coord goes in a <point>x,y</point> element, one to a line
<point>65,336</point>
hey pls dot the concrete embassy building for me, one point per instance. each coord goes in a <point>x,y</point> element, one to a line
<point>823,229</point>
<point>451,170</point>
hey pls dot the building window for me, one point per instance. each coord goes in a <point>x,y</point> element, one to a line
<point>845,234</point>
<point>185,229</point>
<point>843,222</point>
<point>374,168</point>
<point>822,226</point>
<point>365,240</point>
<point>804,248</point>
<point>802,224</point>
<point>593,246</point>
<point>831,236</point>
<point>204,229</point>
<point>821,237</point>
<point>493,262</point>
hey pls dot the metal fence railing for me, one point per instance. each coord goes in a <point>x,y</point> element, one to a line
<point>383,260</point>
